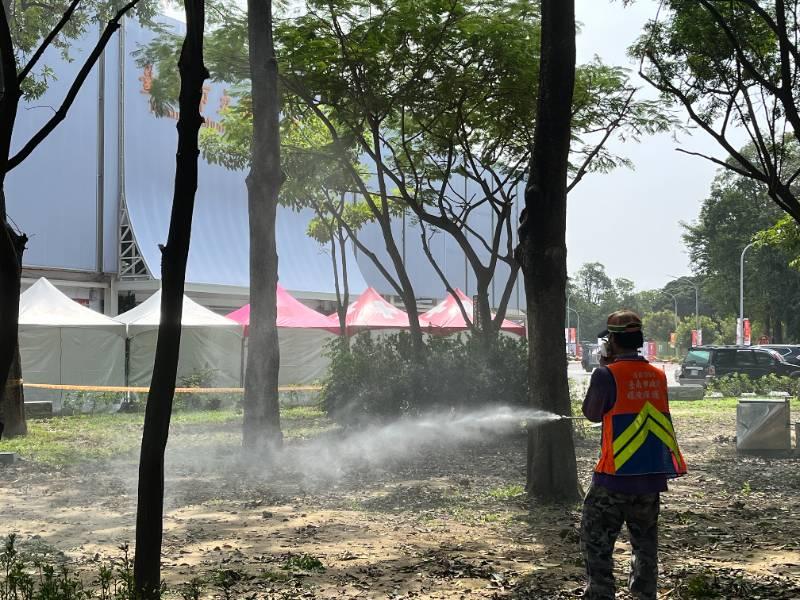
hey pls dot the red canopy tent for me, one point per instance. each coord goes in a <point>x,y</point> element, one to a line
<point>371,311</point>
<point>446,316</point>
<point>291,313</point>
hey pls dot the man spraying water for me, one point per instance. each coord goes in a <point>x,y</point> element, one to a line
<point>639,452</point>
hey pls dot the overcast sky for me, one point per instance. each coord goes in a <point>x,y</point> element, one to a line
<point>630,220</point>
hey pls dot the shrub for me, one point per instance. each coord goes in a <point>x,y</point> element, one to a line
<point>382,379</point>
<point>39,579</point>
<point>736,384</point>
<point>203,378</point>
<point>91,402</point>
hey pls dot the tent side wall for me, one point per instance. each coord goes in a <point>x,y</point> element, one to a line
<point>71,356</point>
<point>216,351</point>
<point>303,355</point>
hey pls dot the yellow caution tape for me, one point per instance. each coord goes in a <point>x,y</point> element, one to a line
<point>145,390</point>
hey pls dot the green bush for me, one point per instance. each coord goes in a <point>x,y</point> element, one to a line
<point>37,578</point>
<point>736,384</point>
<point>382,379</point>
<point>91,402</point>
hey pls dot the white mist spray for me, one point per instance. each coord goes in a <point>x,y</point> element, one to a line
<point>334,455</point>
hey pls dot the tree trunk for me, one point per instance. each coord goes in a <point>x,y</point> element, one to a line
<point>11,244</point>
<point>13,403</point>
<point>505,298</point>
<point>482,320</point>
<point>12,396</point>
<point>552,469</point>
<point>150,508</point>
<point>261,426</point>
<point>339,252</point>
<point>344,302</point>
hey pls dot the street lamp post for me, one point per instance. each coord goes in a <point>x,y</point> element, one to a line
<point>568,309</point>
<point>675,300</point>
<point>740,325</point>
<point>696,298</point>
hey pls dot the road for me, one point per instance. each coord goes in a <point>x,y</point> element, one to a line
<point>576,372</point>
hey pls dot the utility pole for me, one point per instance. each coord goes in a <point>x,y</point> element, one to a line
<point>740,325</point>
<point>578,330</point>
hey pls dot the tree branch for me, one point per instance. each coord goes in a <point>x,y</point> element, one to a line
<point>47,41</point>
<point>443,277</point>
<point>80,78</point>
<point>582,170</point>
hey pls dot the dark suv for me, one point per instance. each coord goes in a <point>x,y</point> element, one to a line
<point>706,362</point>
<point>591,356</point>
<point>789,352</point>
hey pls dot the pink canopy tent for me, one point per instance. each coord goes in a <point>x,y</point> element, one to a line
<point>371,311</point>
<point>291,313</point>
<point>303,335</point>
<point>446,316</point>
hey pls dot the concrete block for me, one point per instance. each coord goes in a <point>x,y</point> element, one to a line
<point>8,458</point>
<point>686,392</point>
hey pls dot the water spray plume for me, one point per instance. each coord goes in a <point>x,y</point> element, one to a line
<point>377,445</point>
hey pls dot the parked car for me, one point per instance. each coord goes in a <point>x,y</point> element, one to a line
<point>591,356</point>
<point>703,363</point>
<point>789,352</point>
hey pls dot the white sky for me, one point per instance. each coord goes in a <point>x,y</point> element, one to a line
<point>665,188</point>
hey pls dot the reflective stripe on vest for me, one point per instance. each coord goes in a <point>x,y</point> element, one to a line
<point>641,409</point>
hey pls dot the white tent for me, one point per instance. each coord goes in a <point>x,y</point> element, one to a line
<point>63,342</point>
<point>210,344</point>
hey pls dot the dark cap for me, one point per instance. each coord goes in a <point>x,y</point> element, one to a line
<point>622,321</point>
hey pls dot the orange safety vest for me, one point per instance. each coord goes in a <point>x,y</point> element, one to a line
<point>638,438</point>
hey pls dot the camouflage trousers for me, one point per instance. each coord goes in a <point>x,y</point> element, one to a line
<point>604,512</point>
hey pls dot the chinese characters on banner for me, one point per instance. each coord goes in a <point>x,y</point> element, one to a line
<point>650,350</point>
<point>673,339</point>
<point>697,337</point>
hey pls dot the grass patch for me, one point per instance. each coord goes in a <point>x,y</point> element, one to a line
<point>507,492</point>
<point>303,562</point>
<point>75,439</point>
<point>708,408</point>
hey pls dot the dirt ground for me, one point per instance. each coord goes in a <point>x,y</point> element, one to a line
<point>450,523</point>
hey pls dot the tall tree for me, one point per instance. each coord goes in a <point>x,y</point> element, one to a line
<point>735,211</point>
<point>733,66</point>
<point>262,430</point>
<point>542,254</point>
<point>241,52</point>
<point>433,92</point>
<point>174,255</point>
<point>25,34</point>
<point>469,119</point>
